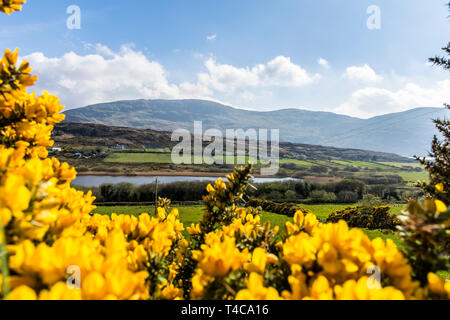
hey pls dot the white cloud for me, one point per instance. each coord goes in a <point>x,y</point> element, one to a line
<point>324,63</point>
<point>211,37</point>
<point>100,49</point>
<point>371,102</point>
<point>277,72</point>
<point>364,73</point>
<point>198,55</point>
<point>105,76</point>
<point>248,96</point>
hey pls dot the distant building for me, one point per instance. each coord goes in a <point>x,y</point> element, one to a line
<point>119,147</point>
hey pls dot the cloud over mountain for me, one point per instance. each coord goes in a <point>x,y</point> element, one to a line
<point>128,74</point>
<point>104,75</point>
<point>364,73</point>
<point>372,101</point>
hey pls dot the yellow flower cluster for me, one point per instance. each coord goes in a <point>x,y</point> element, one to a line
<point>128,257</point>
<point>256,290</point>
<point>219,256</point>
<point>115,256</point>
<point>322,261</point>
<point>331,261</point>
<point>46,226</point>
<point>8,6</point>
<point>104,270</point>
<point>26,120</point>
<point>36,200</point>
<point>438,287</point>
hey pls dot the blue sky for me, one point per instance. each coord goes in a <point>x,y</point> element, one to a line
<point>254,54</point>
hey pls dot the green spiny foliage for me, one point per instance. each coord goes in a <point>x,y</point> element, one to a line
<point>425,228</point>
<point>426,238</point>
<point>223,198</point>
<point>366,217</point>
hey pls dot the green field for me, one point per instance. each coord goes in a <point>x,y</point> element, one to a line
<point>364,164</point>
<point>411,177</point>
<point>403,165</point>
<point>300,163</point>
<point>385,168</point>
<point>161,158</point>
<point>139,158</point>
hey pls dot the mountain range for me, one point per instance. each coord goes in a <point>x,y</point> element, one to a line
<point>405,133</point>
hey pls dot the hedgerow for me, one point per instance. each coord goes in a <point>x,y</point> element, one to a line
<point>366,217</point>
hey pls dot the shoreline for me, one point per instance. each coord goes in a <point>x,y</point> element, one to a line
<point>166,174</point>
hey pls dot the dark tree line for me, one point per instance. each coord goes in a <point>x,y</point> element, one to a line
<point>345,191</point>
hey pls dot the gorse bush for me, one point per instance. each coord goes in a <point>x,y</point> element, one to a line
<point>426,236</point>
<point>366,217</point>
<point>47,233</point>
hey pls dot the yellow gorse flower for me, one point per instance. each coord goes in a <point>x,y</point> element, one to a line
<point>440,187</point>
<point>220,256</point>
<point>438,286</point>
<point>440,206</point>
<point>8,6</point>
<point>256,290</point>
<point>258,263</point>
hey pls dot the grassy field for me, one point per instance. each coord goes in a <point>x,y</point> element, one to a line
<point>363,167</point>
<point>385,168</point>
<point>364,164</point>
<point>139,158</point>
<point>300,163</point>
<point>193,214</point>
<point>156,156</point>
<point>403,165</point>
<point>413,177</point>
<point>160,158</point>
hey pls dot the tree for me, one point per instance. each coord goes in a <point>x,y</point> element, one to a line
<point>444,61</point>
<point>439,167</point>
<point>355,186</point>
<point>425,226</point>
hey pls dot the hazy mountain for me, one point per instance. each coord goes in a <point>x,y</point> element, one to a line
<point>405,133</point>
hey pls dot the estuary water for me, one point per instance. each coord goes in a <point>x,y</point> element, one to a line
<point>96,181</point>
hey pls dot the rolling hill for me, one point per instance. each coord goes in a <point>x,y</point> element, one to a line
<point>405,133</point>
<point>87,134</point>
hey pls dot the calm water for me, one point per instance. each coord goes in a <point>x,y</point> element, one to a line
<point>95,181</point>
